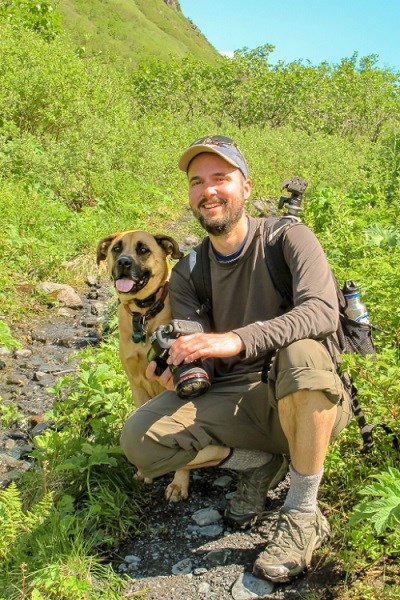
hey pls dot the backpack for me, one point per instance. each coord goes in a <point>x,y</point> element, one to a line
<point>352,336</point>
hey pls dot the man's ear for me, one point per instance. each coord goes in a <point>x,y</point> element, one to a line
<point>103,246</point>
<point>169,245</point>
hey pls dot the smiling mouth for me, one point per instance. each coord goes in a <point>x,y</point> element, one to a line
<point>126,285</point>
<point>212,205</point>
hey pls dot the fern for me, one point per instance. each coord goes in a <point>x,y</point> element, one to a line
<point>15,524</point>
<point>382,508</point>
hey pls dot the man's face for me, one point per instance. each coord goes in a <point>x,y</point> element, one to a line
<point>217,193</point>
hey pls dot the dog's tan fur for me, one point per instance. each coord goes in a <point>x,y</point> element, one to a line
<point>142,258</point>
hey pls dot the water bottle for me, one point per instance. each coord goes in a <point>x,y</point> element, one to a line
<point>355,309</point>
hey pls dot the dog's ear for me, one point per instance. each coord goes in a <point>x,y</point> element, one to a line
<point>169,245</point>
<point>103,246</point>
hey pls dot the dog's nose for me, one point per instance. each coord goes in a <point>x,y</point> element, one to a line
<point>124,261</point>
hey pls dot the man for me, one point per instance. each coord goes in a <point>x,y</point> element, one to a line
<point>242,423</point>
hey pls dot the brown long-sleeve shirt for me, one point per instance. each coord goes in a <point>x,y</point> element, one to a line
<point>245,300</point>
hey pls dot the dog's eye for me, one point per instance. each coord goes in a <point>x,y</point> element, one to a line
<point>142,250</point>
<point>117,248</point>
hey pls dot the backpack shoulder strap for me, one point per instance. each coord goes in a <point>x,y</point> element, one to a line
<point>200,275</point>
<point>275,259</point>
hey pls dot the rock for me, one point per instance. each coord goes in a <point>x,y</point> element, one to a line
<point>132,561</point>
<point>16,379</point>
<point>247,586</point>
<point>2,364</point>
<point>183,567</point>
<point>10,466</point>
<point>92,280</point>
<point>88,321</point>
<point>4,351</point>
<point>217,557</point>
<point>210,530</point>
<point>44,379</point>
<point>200,571</point>
<point>206,516</point>
<point>66,342</point>
<point>64,312</point>
<point>41,427</point>
<point>39,336</point>
<point>64,294</point>
<point>203,588</point>
<point>223,482</point>
<point>93,295</point>
<point>23,353</point>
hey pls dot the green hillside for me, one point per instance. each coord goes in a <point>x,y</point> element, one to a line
<point>133,30</point>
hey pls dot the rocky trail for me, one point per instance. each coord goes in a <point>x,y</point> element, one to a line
<point>187,552</point>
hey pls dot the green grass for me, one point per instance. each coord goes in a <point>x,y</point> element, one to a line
<point>130,31</point>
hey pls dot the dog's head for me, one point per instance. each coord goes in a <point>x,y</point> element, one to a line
<point>137,261</point>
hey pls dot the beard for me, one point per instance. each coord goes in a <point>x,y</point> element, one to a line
<point>233,212</point>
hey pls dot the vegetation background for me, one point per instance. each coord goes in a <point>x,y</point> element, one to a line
<point>97,101</point>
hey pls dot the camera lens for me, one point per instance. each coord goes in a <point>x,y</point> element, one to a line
<point>190,381</point>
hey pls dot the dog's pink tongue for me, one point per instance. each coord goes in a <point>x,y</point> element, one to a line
<point>124,285</point>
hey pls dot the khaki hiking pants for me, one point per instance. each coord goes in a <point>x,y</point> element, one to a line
<point>238,411</point>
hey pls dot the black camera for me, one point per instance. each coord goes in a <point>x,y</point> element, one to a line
<point>190,380</point>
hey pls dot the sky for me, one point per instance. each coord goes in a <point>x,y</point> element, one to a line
<point>311,30</point>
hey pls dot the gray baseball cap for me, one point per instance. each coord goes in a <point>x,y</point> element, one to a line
<point>216,144</point>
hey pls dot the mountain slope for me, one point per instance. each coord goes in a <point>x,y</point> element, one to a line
<point>134,30</point>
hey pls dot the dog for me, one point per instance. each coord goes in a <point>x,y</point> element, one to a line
<point>138,264</point>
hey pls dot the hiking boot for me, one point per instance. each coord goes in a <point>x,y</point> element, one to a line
<point>248,503</point>
<point>295,537</point>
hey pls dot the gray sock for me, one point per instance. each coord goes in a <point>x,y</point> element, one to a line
<point>303,491</point>
<point>243,460</point>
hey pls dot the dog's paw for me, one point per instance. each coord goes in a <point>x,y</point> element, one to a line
<point>141,477</point>
<point>178,489</point>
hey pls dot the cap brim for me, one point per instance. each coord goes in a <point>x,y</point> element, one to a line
<point>193,151</point>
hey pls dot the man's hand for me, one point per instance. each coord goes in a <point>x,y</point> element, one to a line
<point>199,346</point>
<point>165,379</point>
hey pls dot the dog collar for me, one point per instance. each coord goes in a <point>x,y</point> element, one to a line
<point>139,320</point>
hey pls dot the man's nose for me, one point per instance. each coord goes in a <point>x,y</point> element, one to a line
<point>209,190</point>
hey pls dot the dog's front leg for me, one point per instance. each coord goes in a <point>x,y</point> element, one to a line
<point>178,489</point>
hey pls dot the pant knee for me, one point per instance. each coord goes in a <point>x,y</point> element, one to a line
<point>308,354</point>
<point>135,442</point>
<point>306,365</point>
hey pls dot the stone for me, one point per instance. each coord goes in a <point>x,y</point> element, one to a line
<point>223,482</point>
<point>93,295</point>
<point>65,312</point>
<point>183,567</point>
<point>203,588</point>
<point>247,586</point>
<point>16,379</point>
<point>132,560</point>
<point>23,353</point>
<point>88,322</point>
<point>206,516</point>
<point>210,530</point>
<point>217,557</point>
<point>92,280</point>
<point>64,294</point>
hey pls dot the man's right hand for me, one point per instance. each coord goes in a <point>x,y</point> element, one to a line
<point>165,379</point>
